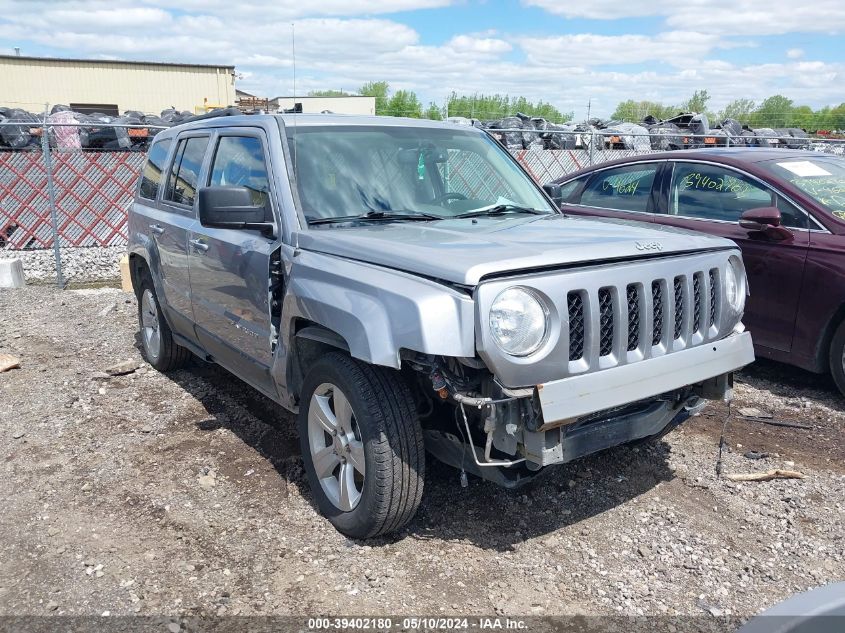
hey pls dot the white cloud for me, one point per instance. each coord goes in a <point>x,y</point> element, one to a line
<point>475,44</point>
<point>795,53</point>
<point>342,44</point>
<point>586,49</point>
<point>726,17</point>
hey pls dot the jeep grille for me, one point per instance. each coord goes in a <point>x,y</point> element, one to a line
<point>698,286</point>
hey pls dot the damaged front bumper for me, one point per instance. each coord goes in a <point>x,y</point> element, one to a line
<point>576,396</point>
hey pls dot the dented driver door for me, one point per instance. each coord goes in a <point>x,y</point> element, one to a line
<point>230,268</point>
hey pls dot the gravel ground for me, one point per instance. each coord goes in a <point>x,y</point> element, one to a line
<point>79,265</point>
<point>184,494</point>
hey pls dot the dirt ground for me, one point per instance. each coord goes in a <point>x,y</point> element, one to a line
<point>184,494</point>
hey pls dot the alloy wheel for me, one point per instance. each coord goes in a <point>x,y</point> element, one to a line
<point>150,326</point>
<point>337,449</point>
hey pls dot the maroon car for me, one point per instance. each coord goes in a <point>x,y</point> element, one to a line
<point>785,209</point>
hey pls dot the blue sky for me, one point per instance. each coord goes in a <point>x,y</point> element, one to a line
<point>562,52</point>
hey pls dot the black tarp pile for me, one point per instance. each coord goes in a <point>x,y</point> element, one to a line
<point>76,130</point>
<point>521,131</point>
<point>690,130</point>
<point>685,131</point>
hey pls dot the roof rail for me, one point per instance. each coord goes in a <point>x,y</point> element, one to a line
<point>230,111</point>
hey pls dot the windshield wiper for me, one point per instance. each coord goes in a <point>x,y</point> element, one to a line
<point>379,215</point>
<point>501,209</point>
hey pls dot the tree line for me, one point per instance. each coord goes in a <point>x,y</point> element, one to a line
<point>776,111</point>
<point>477,106</point>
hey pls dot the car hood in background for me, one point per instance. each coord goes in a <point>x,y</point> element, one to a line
<point>466,250</point>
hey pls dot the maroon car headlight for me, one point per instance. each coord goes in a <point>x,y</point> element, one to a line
<point>735,286</point>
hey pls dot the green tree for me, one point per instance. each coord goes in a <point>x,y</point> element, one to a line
<point>636,111</point>
<point>697,102</point>
<point>496,106</point>
<point>328,93</point>
<point>739,109</point>
<point>379,90</point>
<point>774,111</point>
<point>433,112</point>
<point>803,117</point>
<point>404,103</point>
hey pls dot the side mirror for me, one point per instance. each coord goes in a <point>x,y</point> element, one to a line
<point>553,191</point>
<point>232,208</point>
<point>765,220</point>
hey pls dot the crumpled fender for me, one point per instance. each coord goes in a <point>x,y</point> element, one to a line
<point>378,311</point>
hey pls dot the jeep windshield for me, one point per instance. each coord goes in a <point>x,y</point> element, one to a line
<point>351,174</point>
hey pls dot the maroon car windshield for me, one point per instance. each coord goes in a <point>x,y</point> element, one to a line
<point>821,178</point>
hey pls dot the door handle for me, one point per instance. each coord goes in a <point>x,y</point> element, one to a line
<point>157,229</point>
<point>199,245</point>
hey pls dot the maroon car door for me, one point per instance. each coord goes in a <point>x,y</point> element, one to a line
<point>710,198</point>
<point>624,192</point>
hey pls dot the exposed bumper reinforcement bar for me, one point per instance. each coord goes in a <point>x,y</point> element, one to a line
<point>576,396</point>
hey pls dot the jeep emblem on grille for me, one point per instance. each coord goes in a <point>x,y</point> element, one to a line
<point>649,246</point>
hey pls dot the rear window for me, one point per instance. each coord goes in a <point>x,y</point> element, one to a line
<point>151,176</point>
<point>823,179</point>
<point>184,174</point>
<point>624,188</point>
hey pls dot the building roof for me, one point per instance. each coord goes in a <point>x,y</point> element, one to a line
<point>114,61</point>
<point>326,97</point>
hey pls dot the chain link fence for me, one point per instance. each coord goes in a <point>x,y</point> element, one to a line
<point>68,203</point>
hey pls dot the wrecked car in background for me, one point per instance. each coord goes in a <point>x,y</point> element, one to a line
<point>685,131</point>
<point>784,208</point>
<point>404,284</point>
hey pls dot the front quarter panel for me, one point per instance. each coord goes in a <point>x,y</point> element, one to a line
<point>378,311</point>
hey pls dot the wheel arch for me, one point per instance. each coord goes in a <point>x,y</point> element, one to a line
<point>822,355</point>
<point>137,267</point>
<point>310,341</point>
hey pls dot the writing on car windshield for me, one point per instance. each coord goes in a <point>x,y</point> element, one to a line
<point>365,173</point>
<point>823,179</point>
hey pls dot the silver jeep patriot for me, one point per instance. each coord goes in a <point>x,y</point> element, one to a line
<point>405,285</point>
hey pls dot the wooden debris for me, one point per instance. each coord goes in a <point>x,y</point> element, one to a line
<point>765,476</point>
<point>772,422</point>
<point>7,362</point>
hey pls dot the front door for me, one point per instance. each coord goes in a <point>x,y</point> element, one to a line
<point>711,198</point>
<point>230,269</point>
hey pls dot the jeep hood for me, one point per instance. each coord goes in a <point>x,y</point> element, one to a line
<point>463,251</point>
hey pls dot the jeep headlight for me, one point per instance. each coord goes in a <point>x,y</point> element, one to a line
<point>735,285</point>
<point>519,321</point>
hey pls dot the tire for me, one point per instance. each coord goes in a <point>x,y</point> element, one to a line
<point>372,466</point>
<point>837,358</point>
<point>157,344</point>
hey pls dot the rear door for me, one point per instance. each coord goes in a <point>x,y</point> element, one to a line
<point>230,269</point>
<point>711,198</point>
<point>625,192</point>
<point>169,225</point>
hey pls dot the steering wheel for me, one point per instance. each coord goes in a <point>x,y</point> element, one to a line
<point>449,195</point>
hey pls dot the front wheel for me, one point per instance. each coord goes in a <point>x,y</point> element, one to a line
<point>837,357</point>
<point>362,446</point>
